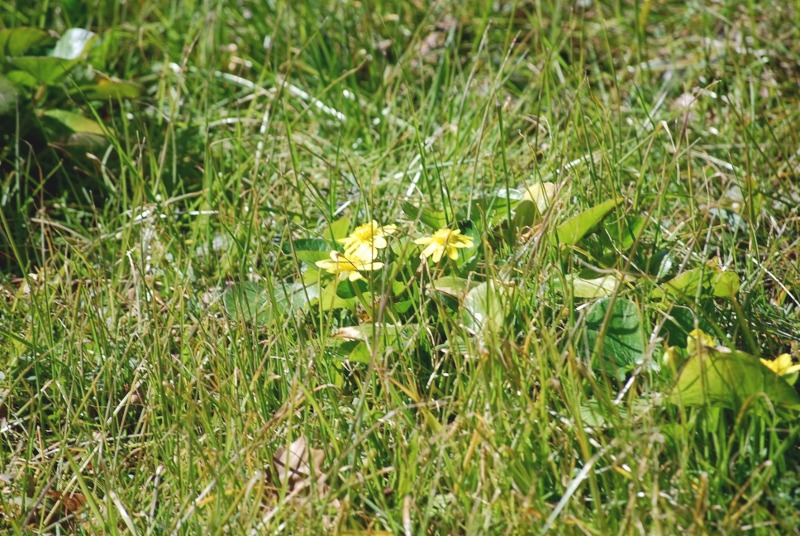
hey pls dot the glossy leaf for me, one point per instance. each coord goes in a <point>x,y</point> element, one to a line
<point>485,307</point>
<point>365,340</point>
<point>574,229</point>
<point>73,44</point>
<point>592,288</point>
<point>620,340</point>
<point>730,379</point>
<point>75,122</point>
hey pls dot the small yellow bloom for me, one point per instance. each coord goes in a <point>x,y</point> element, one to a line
<point>443,242</point>
<point>348,267</point>
<point>781,365</point>
<point>699,339</point>
<point>365,240</point>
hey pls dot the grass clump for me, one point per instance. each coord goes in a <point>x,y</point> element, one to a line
<point>475,268</point>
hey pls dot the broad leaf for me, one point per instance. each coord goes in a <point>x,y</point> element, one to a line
<point>361,342</point>
<point>253,302</point>
<point>110,88</point>
<point>730,379</point>
<point>698,281</point>
<point>574,229</point>
<point>338,229</point>
<point>592,288</point>
<point>18,41</point>
<point>73,44</point>
<point>45,69</point>
<point>75,122</point>
<point>309,250</point>
<point>8,96</point>
<point>485,307</point>
<point>456,287</point>
<point>620,339</point>
<point>525,214</point>
<point>725,284</point>
<point>435,219</point>
<point>623,231</point>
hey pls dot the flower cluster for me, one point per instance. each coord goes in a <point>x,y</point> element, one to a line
<point>360,251</point>
<point>361,248</point>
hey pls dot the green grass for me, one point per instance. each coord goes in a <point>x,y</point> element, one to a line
<point>129,379</point>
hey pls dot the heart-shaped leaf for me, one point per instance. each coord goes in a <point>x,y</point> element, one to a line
<point>615,332</point>
<point>486,307</point>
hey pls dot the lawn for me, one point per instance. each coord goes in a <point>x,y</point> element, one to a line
<point>399,267</point>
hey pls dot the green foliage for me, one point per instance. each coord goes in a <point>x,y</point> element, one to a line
<point>577,310</point>
<point>42,80</point>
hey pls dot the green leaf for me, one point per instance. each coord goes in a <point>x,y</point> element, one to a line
<point>730,379</point>
<point>329,299</point>
<point>451,285</point>
<point>492,209</point>
<point>18,41</point>
<point>574,229</point>
<point>8,96</point>
<point>376,339</point>
<point>109,88</point>
<point>75,122</point>
<point>679,323</point>
<point>45,69</point>
<point>22,79</point>
<point>435,219</point>
<point>339,228</point>
<point>253,302</point>
<point>592,288</point>
<point>725,284</point>
<point>699,280</point>
<point>248,302</point>
<point>620,340</point>
<point>623,231</point>
<point>309,250</point>
<point>525,213</point>
<point>73,44</point>
<point>485,307</point>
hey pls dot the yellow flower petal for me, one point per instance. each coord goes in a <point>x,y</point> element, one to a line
<point>781,365</point>
<point>443,242</point>
<point>344,267</point>
<point>365,240</point>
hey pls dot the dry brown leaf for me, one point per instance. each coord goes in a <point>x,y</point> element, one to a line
<point>294,465</point>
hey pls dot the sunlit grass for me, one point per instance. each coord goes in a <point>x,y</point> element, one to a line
<point>138,383</point>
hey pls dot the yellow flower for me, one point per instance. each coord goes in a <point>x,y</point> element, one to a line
<point>781,365</point>
<point>348,267</point>
<point>443,242</point>
<point>365,240</point>
<point>699,339</point>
